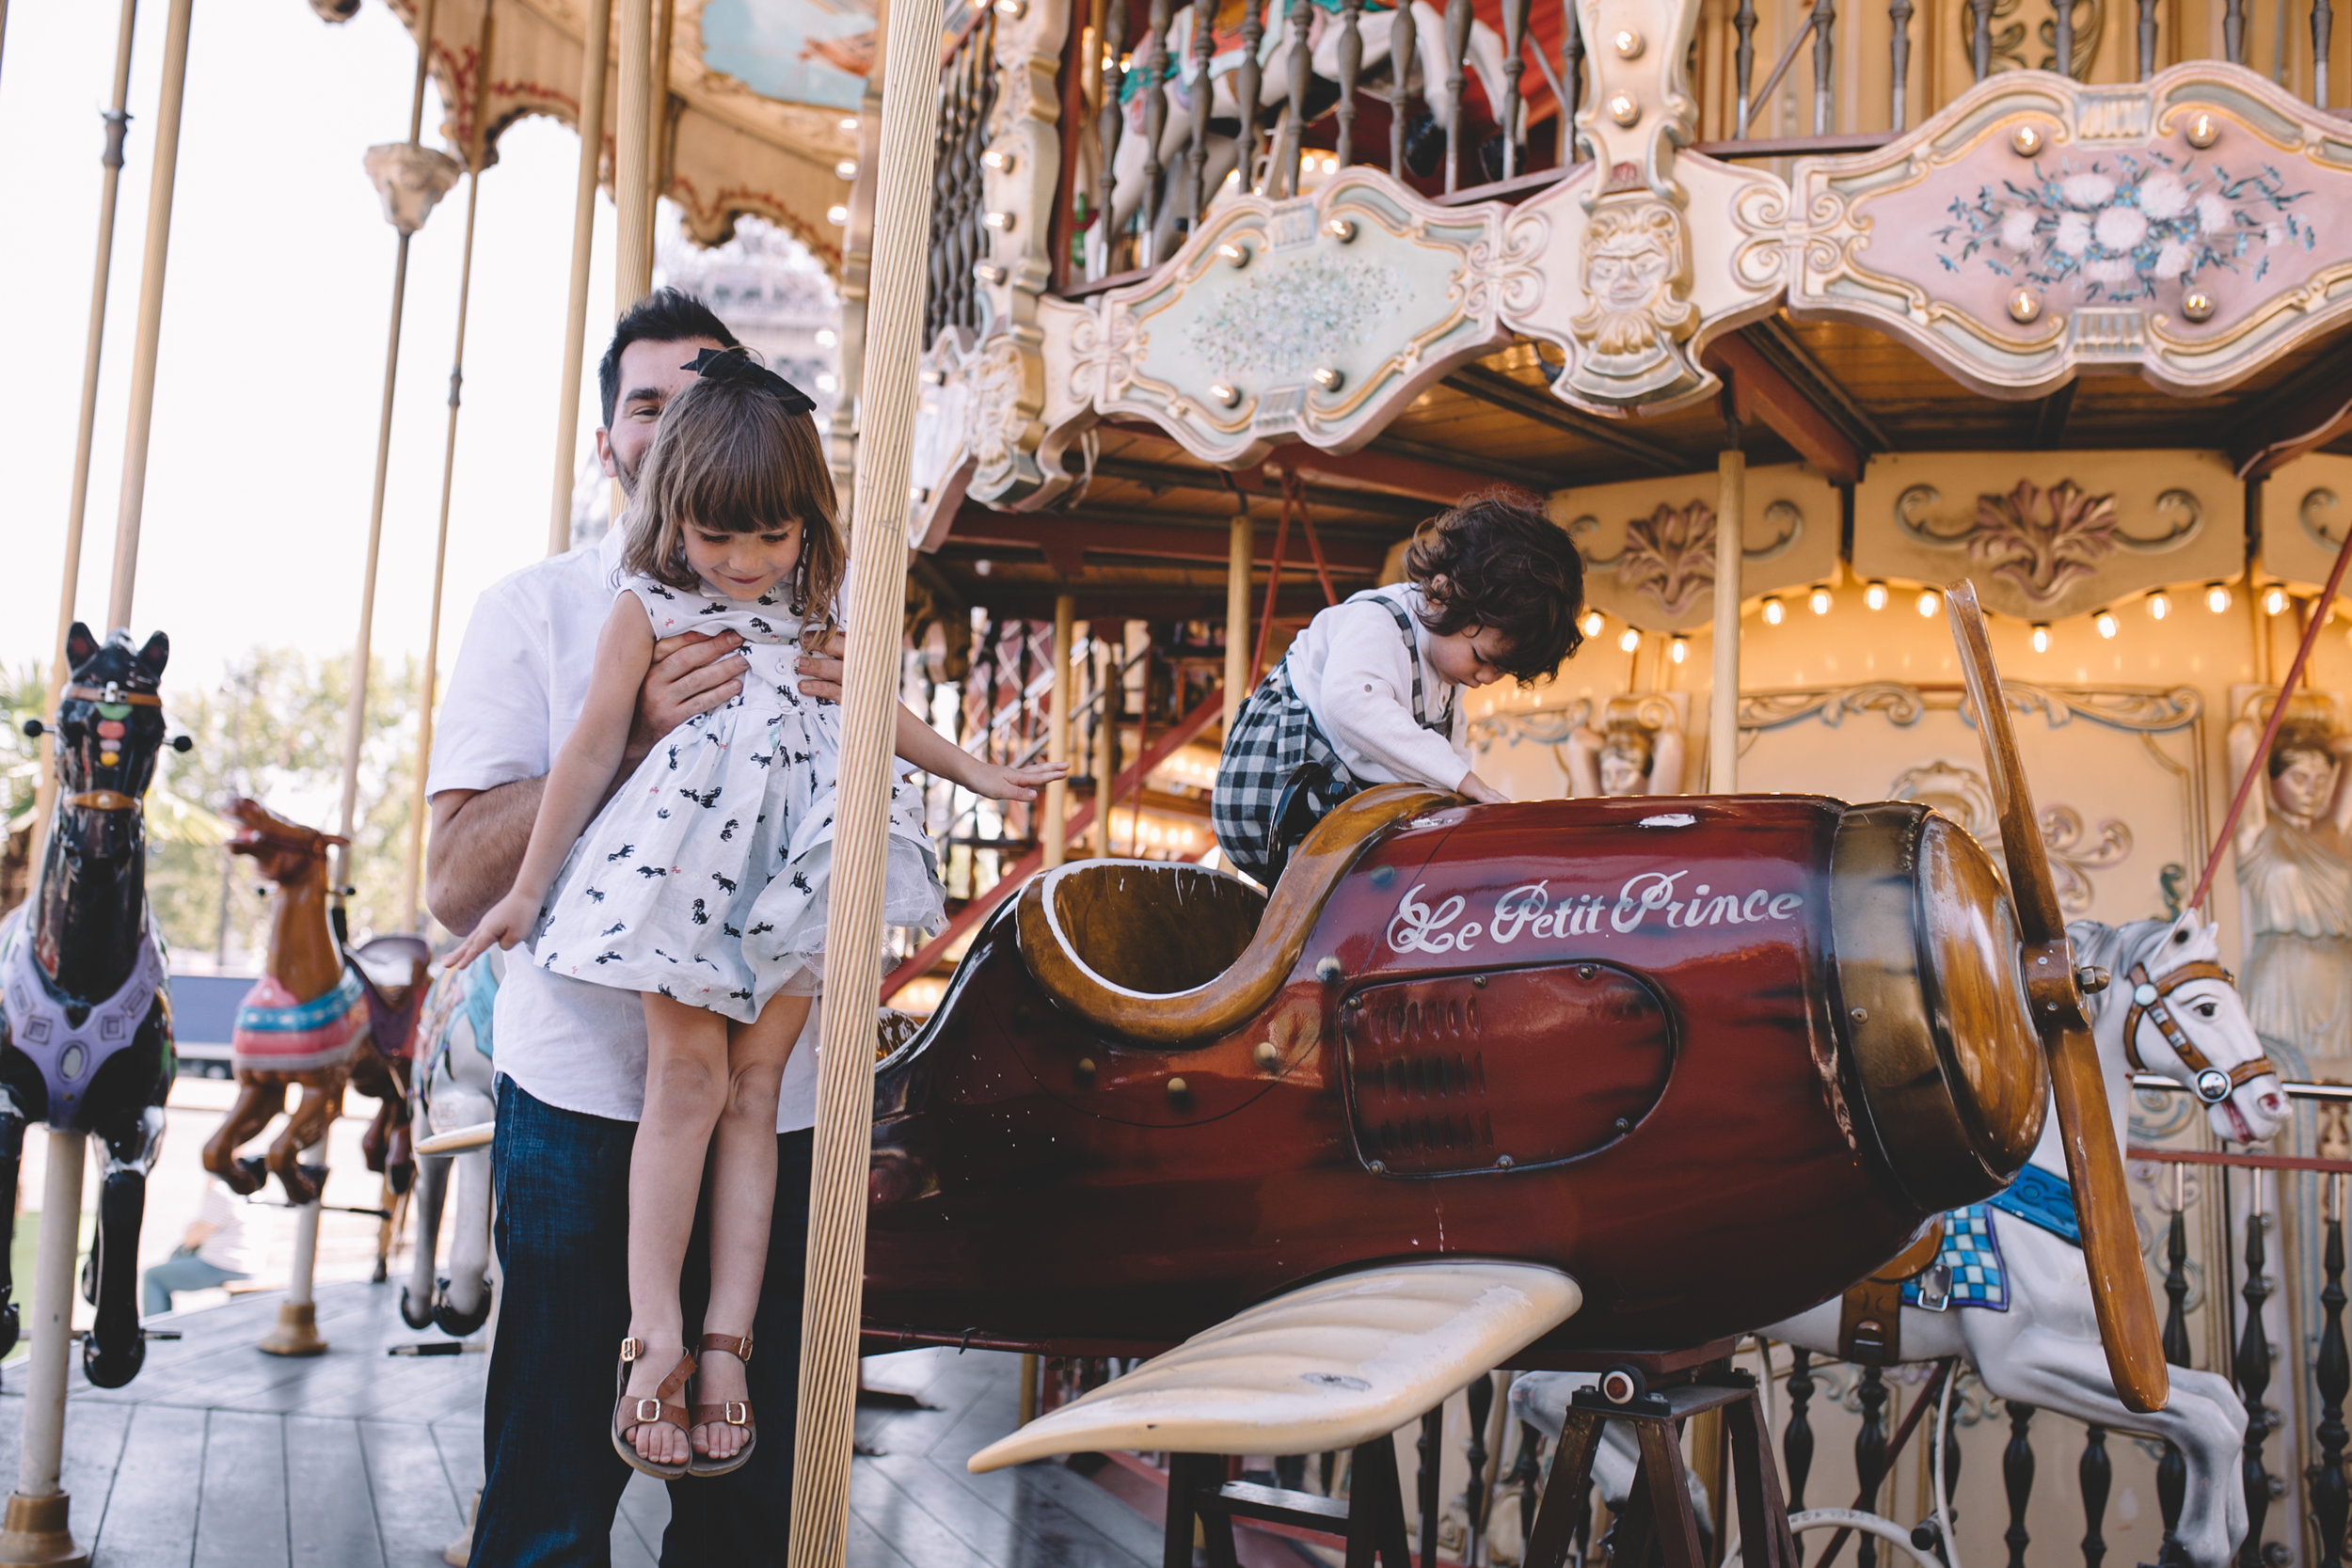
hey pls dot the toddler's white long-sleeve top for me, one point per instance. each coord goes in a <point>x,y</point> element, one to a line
<point>1352,670</point>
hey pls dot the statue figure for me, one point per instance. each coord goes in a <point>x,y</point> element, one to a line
<point>1637,750</point>
<point>2295,867</point>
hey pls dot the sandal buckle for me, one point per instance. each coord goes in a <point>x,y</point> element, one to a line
<point>649,1411</point>
<point>736,1412</point>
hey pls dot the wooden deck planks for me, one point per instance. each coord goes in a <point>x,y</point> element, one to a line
<point>219,1455</point>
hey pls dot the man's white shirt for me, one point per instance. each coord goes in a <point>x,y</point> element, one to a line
<point>521,681</point>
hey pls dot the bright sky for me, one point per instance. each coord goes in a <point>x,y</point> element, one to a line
<point>272,360</point>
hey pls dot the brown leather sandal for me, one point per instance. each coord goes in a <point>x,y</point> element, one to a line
<point>660,1407</point>
<point>733,1413</point>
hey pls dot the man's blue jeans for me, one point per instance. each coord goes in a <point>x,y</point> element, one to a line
<point>181,1270</point>
<point>554,1482</point>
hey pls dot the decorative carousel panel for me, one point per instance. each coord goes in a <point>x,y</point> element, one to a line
<point>2306,511</point>
<point>2189,226</point>
<point>1633,280</point>
<point>2047,536</point>
<point>2115,771</point>
<point>1650,544</point>
<point>939,472</point>
<point>1315,320</point>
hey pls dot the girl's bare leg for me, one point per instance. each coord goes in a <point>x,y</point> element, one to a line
<point>742,1200</point>
<point>685,1087</point>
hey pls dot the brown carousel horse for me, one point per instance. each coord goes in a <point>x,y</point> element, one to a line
<point>305,1022</point>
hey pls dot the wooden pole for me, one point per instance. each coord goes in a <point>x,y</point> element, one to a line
<point>356,709</point>
<point>594,46</point>
<point>632,160</point>
<point>117,124</point>
<point>1057,844</point>
<point>413,866</point>
<point>854,933</point>
<point>35,1529</point>
<point>1112,691</point>
<point>1723,704</point>
<point>142,417</point>
<point>1238,676</point>
<point>656,132</point>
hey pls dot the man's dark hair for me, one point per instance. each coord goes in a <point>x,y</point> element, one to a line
<point>663,316</point>
<point>1507,568</point>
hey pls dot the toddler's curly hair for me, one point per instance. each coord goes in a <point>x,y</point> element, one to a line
<point>1498,563</point>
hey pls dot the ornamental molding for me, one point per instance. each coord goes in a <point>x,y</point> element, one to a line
<point>2189,228</point>
<point>2048,535</point>
<point>2306,511</point>
<point>1649,545</point>
<point>2133,710</point>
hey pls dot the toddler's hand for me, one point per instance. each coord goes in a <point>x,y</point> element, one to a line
<point>999,782</point>
<point>509,921</point>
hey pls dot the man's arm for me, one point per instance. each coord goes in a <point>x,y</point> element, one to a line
<point>479,835</point>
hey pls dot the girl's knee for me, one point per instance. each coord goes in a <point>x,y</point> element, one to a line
<point>754,1088</point>
<point>684,1082</point>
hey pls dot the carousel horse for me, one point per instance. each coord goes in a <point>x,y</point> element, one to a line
<point>304,1023</point>
<point>1483,61</point>
<point>455,1087</point>
<point>2006,1278</point>
<point>85,989</point>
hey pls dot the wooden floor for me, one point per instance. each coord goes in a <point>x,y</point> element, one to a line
<point>194,1463</point>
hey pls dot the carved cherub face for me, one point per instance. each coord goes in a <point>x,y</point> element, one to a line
<point>1621,773</point>
<point>2303,787</point>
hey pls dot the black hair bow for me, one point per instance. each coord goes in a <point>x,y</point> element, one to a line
<point>732,367</point>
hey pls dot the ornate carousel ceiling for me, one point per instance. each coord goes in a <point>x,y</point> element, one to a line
<point>757,91</point>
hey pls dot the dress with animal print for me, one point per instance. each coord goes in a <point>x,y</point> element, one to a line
<point>703,876</point>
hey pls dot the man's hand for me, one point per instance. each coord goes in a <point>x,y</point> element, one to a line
<point>820,673</point>
<point>691,672</point>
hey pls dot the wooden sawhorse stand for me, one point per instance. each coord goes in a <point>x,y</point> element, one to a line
<point>1371,1520</point>
<point>1659,1509</point>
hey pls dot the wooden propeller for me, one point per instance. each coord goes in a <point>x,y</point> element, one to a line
<point>2119,1286</point>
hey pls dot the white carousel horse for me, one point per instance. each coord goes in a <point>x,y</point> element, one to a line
<point>455,1089</point>
<point>2170,1009</point>
<point>1129,183</point>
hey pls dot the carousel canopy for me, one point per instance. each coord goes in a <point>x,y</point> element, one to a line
<point>751,121</point>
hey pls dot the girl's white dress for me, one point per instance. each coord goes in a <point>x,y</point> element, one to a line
<point>703,876</point>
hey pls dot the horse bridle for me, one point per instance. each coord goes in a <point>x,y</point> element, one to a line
<point>2210,1084</point>
<point>108,799</point>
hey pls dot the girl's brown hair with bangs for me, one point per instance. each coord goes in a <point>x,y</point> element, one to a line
<point>729,459</point>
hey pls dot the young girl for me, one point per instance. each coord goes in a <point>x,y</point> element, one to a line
<point>702,882</point>
<point>1370,692</point>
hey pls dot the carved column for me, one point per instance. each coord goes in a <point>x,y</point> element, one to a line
<point>1869,1456</point>
<point>2253,1380</point>
<point>1796,1443</point>
<point>2017,1480</point>
<point>2096,1475</point>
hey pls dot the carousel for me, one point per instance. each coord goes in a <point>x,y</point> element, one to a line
<point>1882,1083</point>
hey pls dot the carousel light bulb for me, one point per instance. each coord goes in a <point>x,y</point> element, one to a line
<point>1630,641</point>
<point>2159,606</point>
<point>1592,622</point>
<point>1818,600</point>
<point>2041,637</point>
<point>2104,622</point>
<point>1680,649</point>
<point>2216,596</point>
<point>1772,609</point>
<point>1930,601</point>
<point>1874,594</point>
<point>2274,601</point>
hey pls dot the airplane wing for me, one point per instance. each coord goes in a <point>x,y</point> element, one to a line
<point>1327,1365</point>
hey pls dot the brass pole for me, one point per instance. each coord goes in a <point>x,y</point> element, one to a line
<point>854,933</point>
<point>1057,844</point>
<point>355,710</point>
<point>1723,702</point>
<point>595,47</point>
<point>412,868</point>
<point>142,415</point>
<point>118,122</point>
<point>1237,671</point>
<point>657,132</point>
<point>633,158</point>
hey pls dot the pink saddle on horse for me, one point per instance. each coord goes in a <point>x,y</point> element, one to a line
<point>274,1032</point>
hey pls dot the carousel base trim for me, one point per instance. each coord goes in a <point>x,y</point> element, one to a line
<point>35,1533</point>
<point>1327,1366</point>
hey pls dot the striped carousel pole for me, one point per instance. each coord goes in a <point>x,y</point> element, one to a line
<point>853,926</point>
<point>36,1527</point>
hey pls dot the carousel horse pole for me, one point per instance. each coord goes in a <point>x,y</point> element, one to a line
<point>877,594</point>
<point>85,1046</point>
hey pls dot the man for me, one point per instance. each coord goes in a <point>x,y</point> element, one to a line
<point>573,1054</point>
